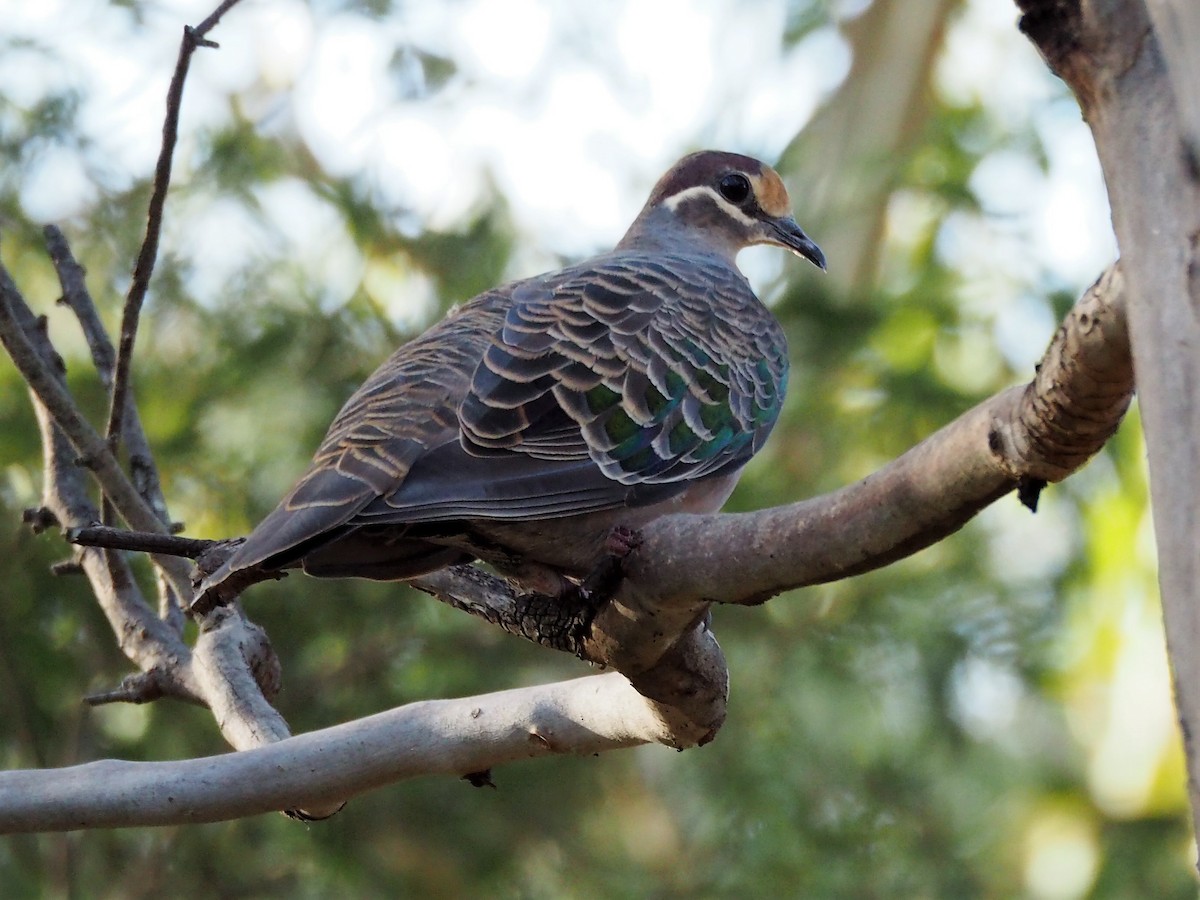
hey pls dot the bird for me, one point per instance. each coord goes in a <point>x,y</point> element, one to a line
<point>537,417</point>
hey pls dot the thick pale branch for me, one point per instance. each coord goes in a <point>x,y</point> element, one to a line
<point>454,737</point>
<point>1044,431</point>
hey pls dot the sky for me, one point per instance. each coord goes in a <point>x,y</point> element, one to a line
<point>572,110</point>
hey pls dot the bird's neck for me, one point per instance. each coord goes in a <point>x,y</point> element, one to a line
<point>658,230</point>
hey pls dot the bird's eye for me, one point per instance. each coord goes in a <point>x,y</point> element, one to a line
<point>734,187</point>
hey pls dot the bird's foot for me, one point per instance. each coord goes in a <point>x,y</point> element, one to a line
<point>554,609</point>
<point>622,541</point>
<point>602,583</point>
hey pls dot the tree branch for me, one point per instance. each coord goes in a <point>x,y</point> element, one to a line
<point>143,471</point>
<point>1041,432</point>
<point>685,563</point>
<point>448,737</point>
<point>192,38</point>
<point>52,393</point>
<point>674,681</point>
<point>141,635</point>
<point>1045,430</point>
<point>141,541</point>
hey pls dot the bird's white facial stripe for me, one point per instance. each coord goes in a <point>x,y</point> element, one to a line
<point>703,190</point>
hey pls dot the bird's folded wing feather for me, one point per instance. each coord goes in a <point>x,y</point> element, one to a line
<point>614,383</point>
<point>657,370</point>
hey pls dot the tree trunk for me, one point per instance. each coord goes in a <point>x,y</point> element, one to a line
<point>1138,91</point>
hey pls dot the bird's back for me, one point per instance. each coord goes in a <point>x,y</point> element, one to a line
<point>614,383</point>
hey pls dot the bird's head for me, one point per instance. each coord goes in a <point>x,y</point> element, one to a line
<point>725,202</point>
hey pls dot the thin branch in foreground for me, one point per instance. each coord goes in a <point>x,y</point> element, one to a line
<point>77,297</point>
<point>140,634</point>
<point>15,320</point>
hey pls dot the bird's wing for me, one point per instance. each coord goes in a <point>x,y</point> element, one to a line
<point>405,407</point>
<point>614,384</point>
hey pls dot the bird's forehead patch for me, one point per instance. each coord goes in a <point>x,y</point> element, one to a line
<point>772,195</point>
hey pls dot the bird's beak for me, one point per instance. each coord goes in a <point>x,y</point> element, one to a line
<point>788,234</point>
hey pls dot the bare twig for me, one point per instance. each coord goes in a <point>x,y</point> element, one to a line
<point>141,687</point>
<point>76,296</point>
<point>143,471</point>
<point>192,38</point>
<point>143,541</point>
<point>141,635</point>
<point>90,447</point>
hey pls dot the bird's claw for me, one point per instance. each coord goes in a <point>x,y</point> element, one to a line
<point>622,541</point>
<point>602,583</point>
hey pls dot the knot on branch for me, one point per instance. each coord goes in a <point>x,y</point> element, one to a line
<point>227,630</point>
<point>1082,389</point>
